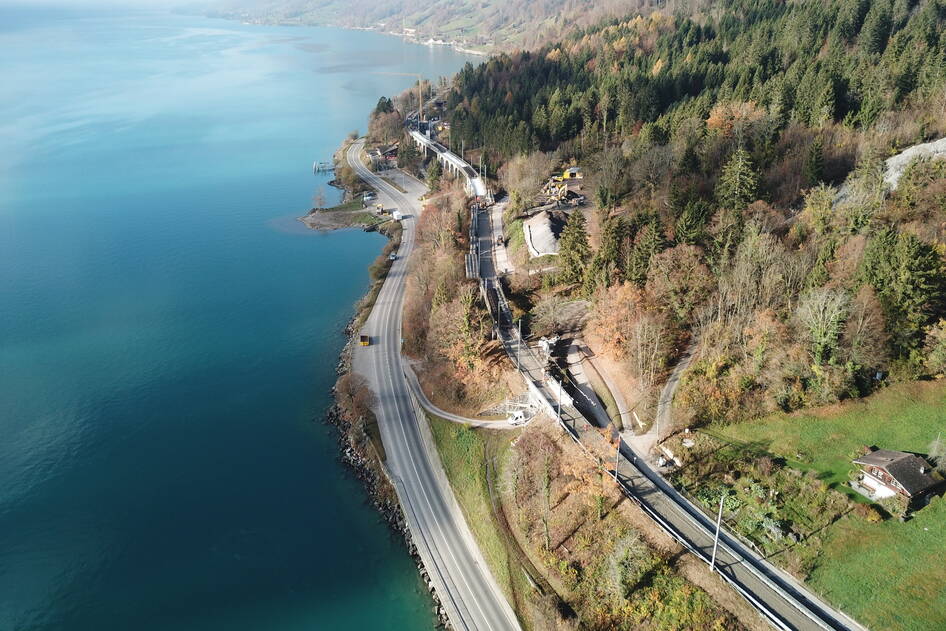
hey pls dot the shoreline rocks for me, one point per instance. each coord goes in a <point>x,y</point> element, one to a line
<point>369,471</point>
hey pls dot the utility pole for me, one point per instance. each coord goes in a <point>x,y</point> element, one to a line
<point>719,520</point>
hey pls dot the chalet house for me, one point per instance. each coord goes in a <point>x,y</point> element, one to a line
<point>885,473</point>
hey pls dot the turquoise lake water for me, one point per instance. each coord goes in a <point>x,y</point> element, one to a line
<point>169,332</point>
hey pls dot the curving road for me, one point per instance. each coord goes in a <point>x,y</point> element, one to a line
<point>421,397</point>
<point>467,590</point>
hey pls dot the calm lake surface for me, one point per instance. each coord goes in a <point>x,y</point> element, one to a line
<point>169,332</point>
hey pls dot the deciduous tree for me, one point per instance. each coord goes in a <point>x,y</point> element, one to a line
<point>822,313</point>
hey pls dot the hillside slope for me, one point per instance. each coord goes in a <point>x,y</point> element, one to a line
<point>712,148</point>
<point>484,25</point>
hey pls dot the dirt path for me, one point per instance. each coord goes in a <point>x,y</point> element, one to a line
<point>664,423</point>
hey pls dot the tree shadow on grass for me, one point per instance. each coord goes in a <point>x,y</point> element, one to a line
<point>808,536</point>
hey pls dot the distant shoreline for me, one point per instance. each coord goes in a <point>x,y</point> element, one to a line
<point>407,37</point>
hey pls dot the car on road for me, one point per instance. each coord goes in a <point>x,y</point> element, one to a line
<point>392,256</point>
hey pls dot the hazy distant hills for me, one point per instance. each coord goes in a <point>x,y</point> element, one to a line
<point>481,24</point>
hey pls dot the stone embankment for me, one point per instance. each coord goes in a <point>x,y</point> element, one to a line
<point>370,471</point>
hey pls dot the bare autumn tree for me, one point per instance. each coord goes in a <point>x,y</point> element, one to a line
<point>585,479</point>
<point>649,345</point>
<point>385,127</point>
<point>554,314</point>
<point>457,330</point>
<point>822,313</point>
<point>438,223</point>
<point>541,455</point>
<point>624,327</point>
<point>762,274</point>
<point>612,319</point>
<point>843,270</point>
<point>629,552</point>
<point>354,396</point>
<point>865,340</point>
<point>937,452</point>
<point>525,174</point>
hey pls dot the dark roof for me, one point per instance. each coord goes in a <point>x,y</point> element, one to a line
<point>911,471</point>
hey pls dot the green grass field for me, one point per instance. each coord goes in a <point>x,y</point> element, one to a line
<point>888,575</point>
<point>904,417</point>
<point>515,236</point>
<point>352,204</point>
<point>463,451</point>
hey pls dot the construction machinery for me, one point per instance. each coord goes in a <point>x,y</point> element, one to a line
<point>559,192</point>
<point>571,173</point>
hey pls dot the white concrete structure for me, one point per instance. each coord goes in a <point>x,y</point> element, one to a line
<point>540,239</point>
<point>453,164</point>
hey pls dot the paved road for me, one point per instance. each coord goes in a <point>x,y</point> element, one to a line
<point>785,602</point>
<point>469,593</point>
<point>429,406</point>
<point>500,255</point>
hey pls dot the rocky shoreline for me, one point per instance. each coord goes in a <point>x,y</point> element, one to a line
<point>371,473</point>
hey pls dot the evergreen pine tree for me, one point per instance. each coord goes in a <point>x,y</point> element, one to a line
<point>649,242</point>
<point>689,227</point>
<point>876,30</point>
<point>573,249</point>
<point>814,162</point>
<point>908,275</point>
<point>738,183</point>
<point>434,171</point>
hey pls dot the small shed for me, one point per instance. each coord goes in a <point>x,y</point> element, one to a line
<point>885,473</point>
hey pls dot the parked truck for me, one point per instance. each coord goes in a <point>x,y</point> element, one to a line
<point>365,340</point>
